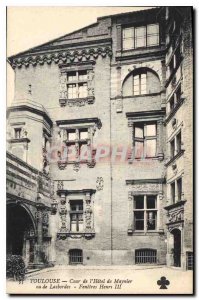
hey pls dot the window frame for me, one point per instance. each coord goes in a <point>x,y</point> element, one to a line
<point>73,254</point>
<point>145,210</point>
<point>145,37</point>
<point>75,83</point>
<point>77,213</point>
<point>144,139</point>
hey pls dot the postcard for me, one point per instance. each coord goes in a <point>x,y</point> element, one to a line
<point>99,150</point>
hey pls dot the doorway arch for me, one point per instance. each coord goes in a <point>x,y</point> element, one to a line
<point>20,238</point>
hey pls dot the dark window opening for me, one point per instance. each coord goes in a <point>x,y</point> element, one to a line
<point>75,256</point>
<point>179,186</point>
<point>17,133</point>
<point>145,256</point>
<point>173,192</point>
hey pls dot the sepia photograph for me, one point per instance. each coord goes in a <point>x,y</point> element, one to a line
<point>99,150</point>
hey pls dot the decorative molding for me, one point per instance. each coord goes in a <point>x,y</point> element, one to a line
<point>99,183</point>
<point>96,121</point>
<point>70,56</point>
<point>76,102</point>
<point>62,164</point>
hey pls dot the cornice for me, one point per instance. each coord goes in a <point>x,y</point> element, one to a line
<point>26,107</point>
<point>60,56</point>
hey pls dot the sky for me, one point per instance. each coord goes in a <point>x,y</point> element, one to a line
<point>30,26</point>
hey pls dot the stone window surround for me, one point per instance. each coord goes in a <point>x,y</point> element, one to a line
<point>144,117</point>
<point>144,187</point>
<point>87,196</point>
<point>169,183</point>
<point>64,70</point>
<point>91,124</point>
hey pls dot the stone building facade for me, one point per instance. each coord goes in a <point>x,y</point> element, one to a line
<point>92,116</point>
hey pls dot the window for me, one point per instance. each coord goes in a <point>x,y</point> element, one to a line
<point>178,142</point>
<point>139,84</point>
<point>17,132</point>
<point>172,103</point>
<point>189,260</point>
<point>176,145</point>
<point>173,192</point>
<point>77,86</point>
<point>172,148</point>
<point>75,256</point>
<point>76,216</point>
<point>145,140</point>
<point>145,256</point>
<point>176,98</point>
<point>77,144</point>
<point>142,81</point>
<point>145,212</point>
<point>142,36</point>
<point>179,186</point>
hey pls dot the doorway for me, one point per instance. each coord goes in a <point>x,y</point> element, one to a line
<point>177,247</point>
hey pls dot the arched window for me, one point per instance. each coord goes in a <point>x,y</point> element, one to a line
<point>75,256</point>
<point>146,256</point>
<point>141,82</point>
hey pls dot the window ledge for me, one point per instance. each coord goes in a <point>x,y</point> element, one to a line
<point>159,157</point>
<point>143,233</point>
<point>19,140</point>
<point>62,164</point>
<point>76,235</point>
<point>174,110</point>
<point>179,154</point>
<point>76,101</point>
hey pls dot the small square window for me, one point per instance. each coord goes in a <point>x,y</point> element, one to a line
<point>71,135</point>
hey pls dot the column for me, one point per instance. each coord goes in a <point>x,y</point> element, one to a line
<point>160,153</point>
<point>130,213</point>
<point>39,245</point>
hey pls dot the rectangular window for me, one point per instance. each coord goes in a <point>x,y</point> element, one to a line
<point>152,35</point>
<point>76,215</point>
<point>172,148</point>
<point>145,140</point>
<point>78,86</point>
<point>145,256</point>
<point>72,91</point>
<point>83,90</point>
<point>17,132</point>
<point>145,212</point>
<point>75,256</point>
<point>173,192</point>
<point>172,103</point>
<point>178,142</point>
<point>140,37</point>
<point>139,84</point>
<point>179,185</point>
<point>128,38</point>
<point>78,144</point>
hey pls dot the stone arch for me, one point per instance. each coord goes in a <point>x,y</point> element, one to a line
<point>153,83</point>
<point>21,227</point>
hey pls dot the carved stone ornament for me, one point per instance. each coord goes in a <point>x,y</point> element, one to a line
<point>61,57</point>
<point>175,216</point>
<point>60,185</point>
<point>62,164</point>
<point>148,187</point>
<point>99,183</point>
<point>76,166</point>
